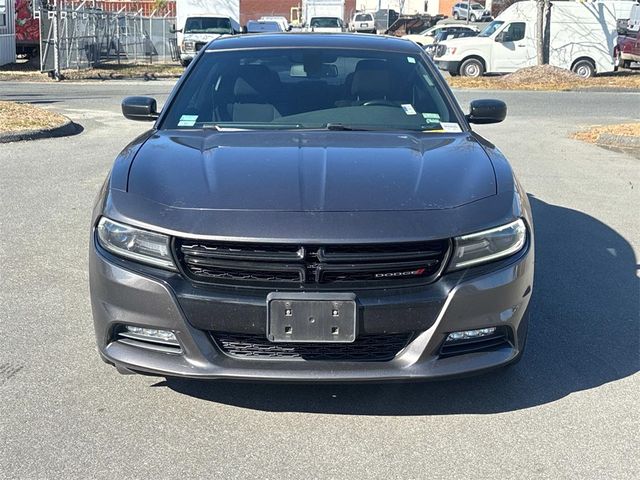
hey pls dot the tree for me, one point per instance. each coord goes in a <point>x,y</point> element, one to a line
<point>543,19</point>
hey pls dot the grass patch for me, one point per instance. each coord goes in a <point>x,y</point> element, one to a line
<point>549,78</point>
<point>18,117</point>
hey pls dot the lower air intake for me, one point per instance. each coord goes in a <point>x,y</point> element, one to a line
<point>366,348</point>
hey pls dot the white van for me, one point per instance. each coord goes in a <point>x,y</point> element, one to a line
<point>582,39</point>
<point>200,21</point>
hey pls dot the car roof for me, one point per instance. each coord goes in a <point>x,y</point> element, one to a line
<point>314,40</point>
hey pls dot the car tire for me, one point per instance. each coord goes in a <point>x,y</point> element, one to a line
<point>584,68</point>
<point>472,18</point>
<point>472,67</point>
<point>456,16</point>
<point>184,63</point>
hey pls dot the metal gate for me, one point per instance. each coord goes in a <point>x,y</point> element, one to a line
<point>82,37</point>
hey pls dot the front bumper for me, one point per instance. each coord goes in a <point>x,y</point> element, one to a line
<point>448,65</point>
<point>158,299</point>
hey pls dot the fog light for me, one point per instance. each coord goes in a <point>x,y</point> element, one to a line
<point>152,334</point>
<point>467,334</point>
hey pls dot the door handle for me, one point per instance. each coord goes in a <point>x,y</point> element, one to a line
<point>520,45</point>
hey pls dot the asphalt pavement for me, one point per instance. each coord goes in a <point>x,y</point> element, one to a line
<point>569,409</point>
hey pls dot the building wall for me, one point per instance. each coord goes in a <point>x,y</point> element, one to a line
<point>254,9</point>
<point>7,36</point>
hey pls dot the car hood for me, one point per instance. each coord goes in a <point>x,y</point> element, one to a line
<point>200,37</point>
<point>311,171</point>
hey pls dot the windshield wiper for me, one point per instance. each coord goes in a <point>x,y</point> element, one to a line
<point>350,128</point>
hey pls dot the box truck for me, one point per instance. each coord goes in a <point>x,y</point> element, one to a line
<point>200,21</point>
<point>323,15</point>
<point>582,39</point>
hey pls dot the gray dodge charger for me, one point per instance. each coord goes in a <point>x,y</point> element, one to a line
<point>311,207</point>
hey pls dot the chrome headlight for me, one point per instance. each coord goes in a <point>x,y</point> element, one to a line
<point>188,46</point>
<point>136,244</point>
<point>488,245</point>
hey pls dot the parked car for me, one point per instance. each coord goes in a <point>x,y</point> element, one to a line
<point>284,23</point>
<point>428,36</point>
<point>627,50</point>
<point>363,22</point>
<point>263,26</point>
<point>478,13</point>
<point>311,208</point>
<point>580,36</point>
<point>326,25</point>
<point>448,34</point>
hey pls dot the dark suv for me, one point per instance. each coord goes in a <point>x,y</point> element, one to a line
<point>311,207</point>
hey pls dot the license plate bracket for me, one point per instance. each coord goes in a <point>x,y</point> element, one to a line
<point>311,317</point>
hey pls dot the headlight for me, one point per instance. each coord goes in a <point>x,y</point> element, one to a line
<point>139,245</point>
<point>489,245</point>
<point>188,46</point>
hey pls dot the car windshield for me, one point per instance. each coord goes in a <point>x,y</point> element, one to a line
<point>363,18</point>
<point>490,29</point>
<point>207,25</point>
<point>325,22</point>
<point>476,6</point>
<point>310,88</point>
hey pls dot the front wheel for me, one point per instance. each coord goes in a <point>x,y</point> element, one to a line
<point>472,68</point>
<point>456,16</point>
<point>584,68</point>
<point>184,63</point>
<point>472,18</point>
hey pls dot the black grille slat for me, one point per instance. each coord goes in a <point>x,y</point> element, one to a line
<point>366,348</point>
<point>287,265</point>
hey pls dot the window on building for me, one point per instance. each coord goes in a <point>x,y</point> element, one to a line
<point>3,13</point>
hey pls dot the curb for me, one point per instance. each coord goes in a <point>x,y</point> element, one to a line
<point>66,129</point>
<point>620,141</point>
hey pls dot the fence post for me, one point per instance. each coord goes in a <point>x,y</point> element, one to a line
<point>56,41</point>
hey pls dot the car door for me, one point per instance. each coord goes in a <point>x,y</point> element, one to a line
<point>513,49</point>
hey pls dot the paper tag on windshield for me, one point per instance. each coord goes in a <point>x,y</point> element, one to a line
<point>450,127</point>
<point>187,120</point>
<point>408,109</point>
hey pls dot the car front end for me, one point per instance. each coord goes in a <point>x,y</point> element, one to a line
<point>280,254</point>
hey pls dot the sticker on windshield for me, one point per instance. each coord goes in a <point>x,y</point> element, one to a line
<point>187,120</point>
<point>450,127</point>
<point>408,109</point>
<point>411,60</point>
<point>431,117</point>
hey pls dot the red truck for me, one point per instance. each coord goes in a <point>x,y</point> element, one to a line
<point>27,29</point>
<point>628,49</point>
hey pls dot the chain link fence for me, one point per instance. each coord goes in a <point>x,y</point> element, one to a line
<point>81,37</point>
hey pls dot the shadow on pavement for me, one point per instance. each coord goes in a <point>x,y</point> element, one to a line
<point>584,332</point>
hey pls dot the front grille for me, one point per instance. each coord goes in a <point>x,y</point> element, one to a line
<point>491,342</point>
<point>366,348</point>
<point>334,266</point>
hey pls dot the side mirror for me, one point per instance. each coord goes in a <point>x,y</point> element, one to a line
<point>173,29</point>
<point>142,109</point>
<point>487,111</point>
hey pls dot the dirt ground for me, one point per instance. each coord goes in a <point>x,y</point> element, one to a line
<point>27,72</point>
<point>18,117</point>
<point>593,134</point>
